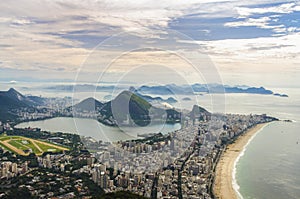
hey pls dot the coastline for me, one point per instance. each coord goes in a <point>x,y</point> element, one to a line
<point>224,183</point>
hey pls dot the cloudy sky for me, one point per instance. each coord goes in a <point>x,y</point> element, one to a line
<point>246,42</point>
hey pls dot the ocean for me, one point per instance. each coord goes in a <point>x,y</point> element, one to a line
<point>269,165</point>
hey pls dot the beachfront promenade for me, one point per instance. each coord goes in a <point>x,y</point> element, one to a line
<point>187,163</point>
<point>223,183</point>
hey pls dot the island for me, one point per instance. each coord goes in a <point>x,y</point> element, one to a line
<point>186,99</point>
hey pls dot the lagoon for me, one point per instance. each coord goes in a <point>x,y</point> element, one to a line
<point>93,128</point>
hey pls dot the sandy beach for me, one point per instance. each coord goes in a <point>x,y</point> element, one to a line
<point>223,187</point>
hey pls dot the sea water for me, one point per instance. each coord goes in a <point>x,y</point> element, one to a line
<point>270,165</point>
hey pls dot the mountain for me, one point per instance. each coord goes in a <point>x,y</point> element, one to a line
<point>172,89</point>
<point>12,99</point>
<point>260,90</point>
<point>169,89</point>
<point>151,99</point>
<point>186,99</point>
<point>159,90</point>
<point>281,95</point>
<point>127,103</point>
<point>37,100</point>
<point>199,113</point>
<point>4,115</point>
<point>89,104</point>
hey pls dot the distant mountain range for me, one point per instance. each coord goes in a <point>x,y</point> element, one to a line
<point>151,99</point>
<point>172,89</point>
<point>93,88</point>
<point>169,89</point>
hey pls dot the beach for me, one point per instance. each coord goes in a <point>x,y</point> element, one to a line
<point>223,186</point>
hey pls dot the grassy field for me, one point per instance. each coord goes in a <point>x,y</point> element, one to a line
<point>47,148</point>
<point>4,137</point>
<point>24,146</point>
<point>17,144</point>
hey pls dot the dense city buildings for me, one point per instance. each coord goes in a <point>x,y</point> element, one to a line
<point>180,164</point>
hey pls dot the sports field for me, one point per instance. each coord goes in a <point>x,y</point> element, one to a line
<point>24,146</point>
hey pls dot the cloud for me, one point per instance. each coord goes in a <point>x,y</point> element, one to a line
<point>58,35</point>
<point>266,17</point>
<point>267,54</point>
<point>21,22</point>
<point>284,8</point>
<point>262,22</point>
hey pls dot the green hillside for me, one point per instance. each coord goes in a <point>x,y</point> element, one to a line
<point>128,102</point>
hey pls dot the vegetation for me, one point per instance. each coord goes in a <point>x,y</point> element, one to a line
<point>128,103</point>
<point>71,141</point>
<point>24,146</point>
<point>153,139</point>
<point>48,148</point>
<point>20,193</point>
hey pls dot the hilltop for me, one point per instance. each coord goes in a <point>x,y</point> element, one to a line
<point>12,99</point>
<point>89,104</point>
<point>127,108</point>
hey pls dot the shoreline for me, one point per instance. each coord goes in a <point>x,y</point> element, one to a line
<point>224,186</point>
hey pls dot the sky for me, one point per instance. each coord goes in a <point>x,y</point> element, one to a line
<point>230,41</point>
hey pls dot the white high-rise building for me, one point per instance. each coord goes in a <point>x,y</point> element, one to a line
<point>14,168</point>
